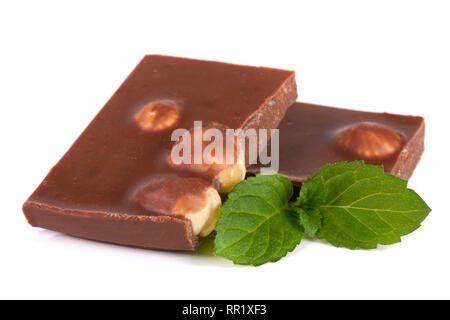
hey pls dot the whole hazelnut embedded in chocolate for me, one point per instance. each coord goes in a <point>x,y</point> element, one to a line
<point>230,176</point>
<point>158,115</point>
<point>369,141</point>
<point>191,198</point>
<point>226,172</point>
<point>203,210</point>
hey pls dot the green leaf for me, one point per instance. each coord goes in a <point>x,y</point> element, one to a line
<point>310,219</point>
<point>364,206</point>
<point>257,224</point>
<point>312,193</point>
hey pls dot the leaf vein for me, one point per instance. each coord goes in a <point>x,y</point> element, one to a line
<point>256,228</point>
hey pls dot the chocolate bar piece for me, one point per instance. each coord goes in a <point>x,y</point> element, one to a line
<point>312,136</point>
<point>116,183</point>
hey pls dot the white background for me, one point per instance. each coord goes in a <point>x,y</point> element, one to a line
<point>60,61</point>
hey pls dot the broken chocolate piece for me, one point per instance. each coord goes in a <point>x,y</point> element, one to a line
<point>312,136</point>
<point>102,188</point>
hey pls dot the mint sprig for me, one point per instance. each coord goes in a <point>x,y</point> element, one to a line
<point>350,205</point>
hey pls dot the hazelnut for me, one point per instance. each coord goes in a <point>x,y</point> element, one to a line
<point>158,115</point>
<point>369,141</point>
<point>230,176</point>
<point>191,198</point>
<point>226,173</point>
<point>205,212</point>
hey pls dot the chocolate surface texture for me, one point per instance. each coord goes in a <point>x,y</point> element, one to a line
<point>312,136</point>
<point>115,184</point>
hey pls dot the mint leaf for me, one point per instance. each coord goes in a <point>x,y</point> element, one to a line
<point>310,219</point>
<point>364,206</point>
<point>312,193</point>
<point>257,224</point>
